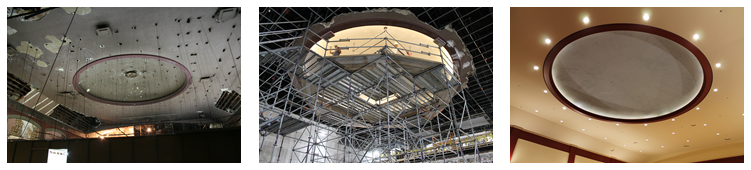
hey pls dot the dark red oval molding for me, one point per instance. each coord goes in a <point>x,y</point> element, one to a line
<point>706,69</point>
<point>188,80</point>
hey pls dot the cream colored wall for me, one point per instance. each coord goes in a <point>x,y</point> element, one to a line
<point>704,154</point>
<point>529,152</point>
<point>537,124</point>
<point>581,159</point>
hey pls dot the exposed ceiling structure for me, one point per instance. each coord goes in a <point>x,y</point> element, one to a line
<point>372,92</point>
<point>129,66</point>
<point>716,121</point>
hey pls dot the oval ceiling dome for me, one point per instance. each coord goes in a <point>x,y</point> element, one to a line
<point>627,73</point>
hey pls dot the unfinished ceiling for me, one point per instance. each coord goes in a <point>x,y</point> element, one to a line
<point>48,52</point>
<point>716,122</point>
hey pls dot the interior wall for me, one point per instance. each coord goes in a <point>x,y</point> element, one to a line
<point>705,154</point>
<point>529,152</point>
<point>210,146</point>
<point>289,156</point>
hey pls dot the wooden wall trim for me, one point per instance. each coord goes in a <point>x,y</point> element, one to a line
<point>517,133</point>
<point>735,159</point>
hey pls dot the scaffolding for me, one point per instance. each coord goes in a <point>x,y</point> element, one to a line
<point>378,111</point>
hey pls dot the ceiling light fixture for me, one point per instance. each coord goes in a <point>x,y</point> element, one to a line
<point>582,129</point>
<point>561,121</point>
<point>686,140</point>
<point>715,90</point>
<point>617,124</point>
<point>536,111</point>
<point>639,150</point>
<point>547,41</point>
<point>590,118</point>
<point>674,133</point>
<point>697,108</point>
<point>646,17</point>
<point>537,67</point>
<point>705,124</point>
<point>564,107</point>
<point>663,146</point>
<point>647,139</point>
<point>606,138</point>
<point>718,134</point>
<point>673,120</point>
<point>545,91</point>
<point>586,20</point>
<point>645,124</point>
<point>718,65</point>
<point>696,36</point>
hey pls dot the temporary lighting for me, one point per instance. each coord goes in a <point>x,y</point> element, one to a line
<point>148,130</point>
<point>101,137</point>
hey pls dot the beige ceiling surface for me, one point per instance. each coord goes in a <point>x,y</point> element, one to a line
<point>720,33</point>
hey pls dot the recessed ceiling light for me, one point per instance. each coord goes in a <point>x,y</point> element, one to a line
<point>696,36</point>
<point>564,107</point>
<point>606,138</point>
<point>718,65</point>
<point>561,121</point>
<point>646,17</point>
<point>536,111</point>
<point>639,150</point>
<point>582,129</point>
<point>547,41</point>
<point>674,133</point>
<point>545,91</point>
<point>718,133</point>
<point>673,120</point>
<point>686,140</point>
<point>647,139</point>
<point>624,145</point>
<point>590,118</point>
<point>586,20</point>
<point>663,146</point>
<point>697,108</point>
<point>537,67</point>
<point>617,124</point>
<point>705,124</point>
<point>645,124</point>
<point>715,90</point>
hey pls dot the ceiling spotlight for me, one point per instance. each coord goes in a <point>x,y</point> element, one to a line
<point>715,90</point>
<point>561,121</point>
<point>545,91</point>
<point>536,111</point>
<point>673,120</point>
<point>582,129</point>
<point>639,150</point>
<point>645,124</point>
<point>696,36</point>
<point>697,108</point>
<point>718,65</point>
<point>718,133</point>
<point>606,138</point>
<point>624,145</point>
<point>617,124</point>
<point>586,20</point>
<point>547,41</point>
<point>686,140</point>
<point>647,139</point>
<point>590,118</point>
<point>674,133</point>
<point>537,67</point>
<point>646,17</point>
<point>705,124</point>
<point>663,146</point>
<point>564,107</point>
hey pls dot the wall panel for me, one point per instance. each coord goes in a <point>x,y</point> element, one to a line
<point>99,150</point>
<point>39,151</point>
<point>196,148</point>
<point>170,149</point>
<point>121,150</point>
<point>78,151</point>
<point>529,152</point>
<point>145,149</point>
<point>23,152</point>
